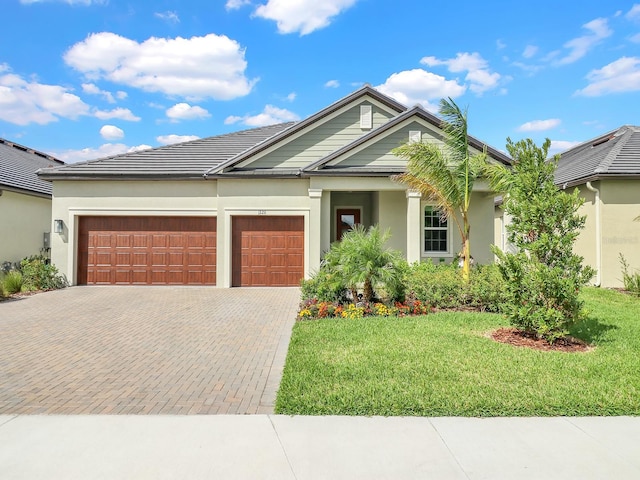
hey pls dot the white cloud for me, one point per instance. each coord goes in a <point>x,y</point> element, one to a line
<point>111,132</point>
<point>119,113</point>
<point>210,66</point>
<point>418,86</point>
<point>93,89</point>
<point>23,102</point>
<point>529,51</point>
<point>332,84</point>
<point>184,111</point>
<point>539,125</point>
<point>121,95</point>
<point>622,75</point>
<point>105,150</point>
<point>559,146</point>
<point>479,76</point>
<point>580,46</point>
<point>635,38</point>
<point>171,139</point>
<point>292,96</point>
<point>269,116</point>
<point>236,4</point>
<point>634,13</point>
<point>304,16</point>
<point>169,17</point>
<point>500,45</point>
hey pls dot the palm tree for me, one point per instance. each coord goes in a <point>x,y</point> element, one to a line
<point>444,174</point>
<point>360,258</point>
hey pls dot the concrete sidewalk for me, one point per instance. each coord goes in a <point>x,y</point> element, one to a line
<point>302,448</point>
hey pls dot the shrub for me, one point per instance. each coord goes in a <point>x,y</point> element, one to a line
<point>545,277</point>
<point>39,274</point>
<point>442,286</point>
<point>631,281</point>
<point>324,286</point>
<point>12,282</point>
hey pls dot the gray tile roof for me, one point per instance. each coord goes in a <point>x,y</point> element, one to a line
<point>615,153</point>
<point>18,167</point>
<point>182,160</point>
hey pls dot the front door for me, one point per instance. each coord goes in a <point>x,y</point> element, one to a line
<point>346,219</point>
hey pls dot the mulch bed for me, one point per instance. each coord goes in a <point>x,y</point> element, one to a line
<point>519,338</point>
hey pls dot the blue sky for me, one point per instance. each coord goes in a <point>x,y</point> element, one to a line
<point>83,79</point>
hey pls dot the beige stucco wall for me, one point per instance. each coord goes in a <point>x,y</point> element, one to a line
<point>585,245</point>
<point>620,233</point>
<point>385,202</point>
<point>72,199</point>
<point>23,221</point>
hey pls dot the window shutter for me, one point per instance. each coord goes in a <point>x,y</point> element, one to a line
<point>366,116</point>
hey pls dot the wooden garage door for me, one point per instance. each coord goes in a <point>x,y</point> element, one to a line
<point>267,251</point>
<point>147,251</point>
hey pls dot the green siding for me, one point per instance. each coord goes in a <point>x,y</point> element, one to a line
<point>379,154</point>
<point>322,140</point>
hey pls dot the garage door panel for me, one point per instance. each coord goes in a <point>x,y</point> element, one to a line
<point>147,250</point>
<point>267,251</point>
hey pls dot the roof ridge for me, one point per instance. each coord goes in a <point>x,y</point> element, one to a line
<point>33,151</point>
<point>624,133</point>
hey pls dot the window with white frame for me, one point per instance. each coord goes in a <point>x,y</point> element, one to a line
<point>436,232</point>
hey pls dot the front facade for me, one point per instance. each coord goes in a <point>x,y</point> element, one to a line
<point>25,202</point>
<point>258,207</point>
<point>606,171</point>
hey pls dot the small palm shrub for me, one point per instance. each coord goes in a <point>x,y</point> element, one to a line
<point>12,282</point>
<point>361,261</point>
<point>631,281</point>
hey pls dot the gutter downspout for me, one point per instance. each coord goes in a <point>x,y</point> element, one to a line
<point>591,188</point>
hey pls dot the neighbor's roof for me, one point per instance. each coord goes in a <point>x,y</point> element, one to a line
<point>183,160</point>
<point>18,167</point>
<point>614,154</point>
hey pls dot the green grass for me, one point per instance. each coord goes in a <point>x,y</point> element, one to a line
<point>444,365</point>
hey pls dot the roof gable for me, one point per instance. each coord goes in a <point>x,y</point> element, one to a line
<point>18,167</point>
<point>372,152</point>
<point>616,153</point>
<point>337,121</point>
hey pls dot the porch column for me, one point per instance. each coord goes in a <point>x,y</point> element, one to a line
<point>315,230</point>
<point>414,248</point>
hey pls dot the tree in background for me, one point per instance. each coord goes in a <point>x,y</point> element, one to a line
<point>544,277</point>
<point>444,174</point>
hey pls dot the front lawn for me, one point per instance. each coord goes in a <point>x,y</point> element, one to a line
<point>444,365</point>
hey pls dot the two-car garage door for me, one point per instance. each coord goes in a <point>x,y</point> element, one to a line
<point>147,251</point>
<point>132,250</point>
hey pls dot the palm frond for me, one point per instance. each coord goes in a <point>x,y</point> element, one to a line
<point>454,125</point>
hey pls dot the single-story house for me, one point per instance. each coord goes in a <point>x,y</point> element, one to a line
<point>256,207</point>
<point>606,170</point>
<point>25,202</point>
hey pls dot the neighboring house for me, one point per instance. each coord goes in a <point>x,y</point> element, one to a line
<point>25,201</point>
<point>257,207</point>
<point>606,170</point>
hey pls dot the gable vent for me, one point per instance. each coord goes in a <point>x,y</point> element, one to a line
<point>366,116</point>
<point>415,136</point>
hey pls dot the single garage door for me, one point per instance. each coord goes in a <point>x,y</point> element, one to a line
<point>267,251</point>
<point>147,251</point>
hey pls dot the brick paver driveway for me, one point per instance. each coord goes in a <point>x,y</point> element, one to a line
<point>138,350</point>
